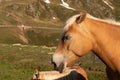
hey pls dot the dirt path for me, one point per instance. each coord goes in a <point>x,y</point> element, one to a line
<point>26,27</point>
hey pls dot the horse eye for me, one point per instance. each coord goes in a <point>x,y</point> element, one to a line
<point>67,37</point>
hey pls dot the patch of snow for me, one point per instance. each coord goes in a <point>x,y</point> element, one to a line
<point>108,3</point>
<point>47,1</point>
<point>54,18</point>
<point>66,5</point>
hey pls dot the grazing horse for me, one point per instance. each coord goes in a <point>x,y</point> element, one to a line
<point>83,33</point>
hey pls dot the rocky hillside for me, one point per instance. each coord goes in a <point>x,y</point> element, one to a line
<point>40,12</point>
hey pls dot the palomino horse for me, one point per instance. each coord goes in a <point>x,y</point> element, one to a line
<point>83,33</point>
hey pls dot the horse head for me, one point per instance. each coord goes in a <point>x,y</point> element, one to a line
<point>75,42</point>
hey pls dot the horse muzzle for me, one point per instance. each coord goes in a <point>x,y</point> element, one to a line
<point>60,68</point>
<point>58,62</point>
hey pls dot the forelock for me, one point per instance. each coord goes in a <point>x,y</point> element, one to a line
<point>70,21</point>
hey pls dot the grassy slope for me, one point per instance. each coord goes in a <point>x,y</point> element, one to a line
<point>116,4</point>
<point>10,35</point>
<point>17,62</point>
<point>39,36</point>
<point>34,36</point>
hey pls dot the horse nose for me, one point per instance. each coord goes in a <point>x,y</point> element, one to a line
<point>53,63</point>
<point>59,67</point>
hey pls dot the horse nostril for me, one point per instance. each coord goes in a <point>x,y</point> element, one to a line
<point>53,63</point>
<point>58,62</point>
<point>59,68</point>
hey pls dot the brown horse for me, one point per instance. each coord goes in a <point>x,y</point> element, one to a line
<point>83,33</point>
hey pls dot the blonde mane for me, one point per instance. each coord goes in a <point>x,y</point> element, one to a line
<point>109,21</point>
<point>72,19</point>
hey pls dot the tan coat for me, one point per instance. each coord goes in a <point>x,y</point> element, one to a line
<point>74,73</point>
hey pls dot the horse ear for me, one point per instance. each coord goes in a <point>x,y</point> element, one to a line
<point>81,18</point>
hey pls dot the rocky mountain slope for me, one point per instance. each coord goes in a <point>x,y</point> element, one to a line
<point>37,12</point>
<point>42,19</point>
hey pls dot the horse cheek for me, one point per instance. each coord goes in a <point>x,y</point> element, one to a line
<point>76,48</point>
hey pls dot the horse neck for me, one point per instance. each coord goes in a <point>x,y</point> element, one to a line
<point>107,37</point>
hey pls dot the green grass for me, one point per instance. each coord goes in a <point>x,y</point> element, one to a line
<point>17,62</point>
<point>35,36</point>
<point>12,72</point>
<point>39,36</point>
